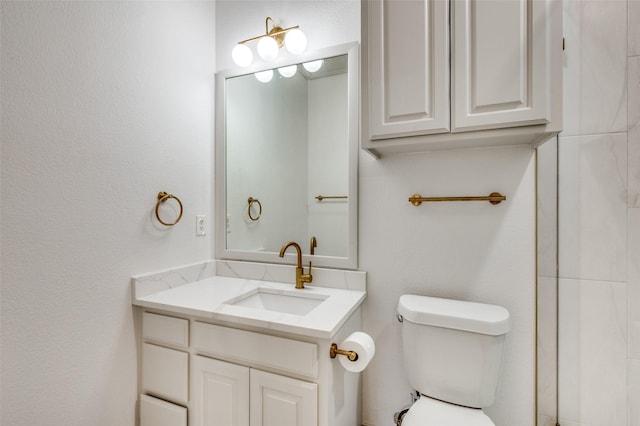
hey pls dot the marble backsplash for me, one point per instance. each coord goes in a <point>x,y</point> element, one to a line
<point>146,284</point>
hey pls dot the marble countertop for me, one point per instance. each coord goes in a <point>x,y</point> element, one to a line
<point>212,298</point>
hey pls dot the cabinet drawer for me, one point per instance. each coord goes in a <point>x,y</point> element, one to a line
<point>256,349</point>
<point>165,372</point>
<point>164,329</point>
<point>156,412</point>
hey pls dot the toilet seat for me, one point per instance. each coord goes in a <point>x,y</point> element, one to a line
<point>431,412</point>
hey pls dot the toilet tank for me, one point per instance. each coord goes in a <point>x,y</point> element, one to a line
<point>453,349</point>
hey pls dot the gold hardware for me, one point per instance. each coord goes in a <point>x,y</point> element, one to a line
<point>334,351</point>
<point>162,197</point>
<point>251,202</point>
<point>301,277</point>
<point>493,198</point>
<point>277,33</point>
<point>312,247</point>
<point>330,197</point>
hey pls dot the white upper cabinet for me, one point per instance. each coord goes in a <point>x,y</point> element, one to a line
<point>460,73</point>
<point>409,63</point>
<point>496,45</point>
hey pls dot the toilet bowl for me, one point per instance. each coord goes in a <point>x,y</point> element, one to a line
<point>452,353</point>
<point>431,412</point>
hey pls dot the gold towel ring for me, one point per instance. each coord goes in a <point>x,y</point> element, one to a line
<point>162,197</point>
<point>251,201</point>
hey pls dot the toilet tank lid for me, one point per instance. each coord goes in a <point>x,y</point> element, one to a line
<point>456,314</point>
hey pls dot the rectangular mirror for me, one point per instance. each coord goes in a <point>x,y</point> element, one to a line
<point>286,158</point>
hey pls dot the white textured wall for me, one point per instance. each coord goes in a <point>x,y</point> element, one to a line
<point>472,251</point>
<point>103,105</point>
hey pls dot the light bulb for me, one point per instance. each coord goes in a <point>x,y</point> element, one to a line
<point>242,55</point>
<point>289,71</point>
<point>264,76</point>
<point>313,66</point>
<point>295,41</point>
<point>268,48</point>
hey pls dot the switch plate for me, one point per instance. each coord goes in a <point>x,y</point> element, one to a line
<point>201,225</point>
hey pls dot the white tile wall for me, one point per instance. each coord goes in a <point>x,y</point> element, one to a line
<point>592,370</point>
<point>595,66</point>
<point>634,392</point>
<point>634,128</point>
<point>593,207</point>
<point>547,348</point>
<point>599,211</point>
<point>634,285</point>
<point>633,7</point>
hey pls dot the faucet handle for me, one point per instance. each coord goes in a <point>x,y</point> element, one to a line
<point>312,246</point>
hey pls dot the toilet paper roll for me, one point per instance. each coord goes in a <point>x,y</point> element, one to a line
<point>363,345</point>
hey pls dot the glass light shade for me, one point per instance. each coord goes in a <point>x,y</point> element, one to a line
<point>264,76</point>
<point>289,71</point>
<point>242,55</point>
<point>313,66</point>
<point>295,41</point>
<point>268,48</point>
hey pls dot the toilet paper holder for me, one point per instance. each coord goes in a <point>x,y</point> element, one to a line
<point>334,351</point>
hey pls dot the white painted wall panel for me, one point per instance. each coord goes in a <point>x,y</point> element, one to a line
<point>104,104</point>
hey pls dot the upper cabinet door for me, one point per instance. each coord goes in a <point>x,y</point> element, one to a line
<point>499,55</point>
<point>408,67</point>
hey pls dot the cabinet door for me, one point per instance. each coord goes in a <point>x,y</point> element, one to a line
<point>408,67</point>
<point>220,392</point>
<point>500,73</point>
<point>282,401</point>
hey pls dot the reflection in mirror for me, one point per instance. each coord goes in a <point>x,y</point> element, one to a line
<point>286,144</point>
<point>290,158</point>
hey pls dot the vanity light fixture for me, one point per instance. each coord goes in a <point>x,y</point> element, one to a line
<point>313,66</point>
<point>270,43</point>
<point>288,71</point>
<point>264,76</point>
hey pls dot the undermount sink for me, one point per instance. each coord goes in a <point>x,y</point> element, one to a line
<point>296,303</point>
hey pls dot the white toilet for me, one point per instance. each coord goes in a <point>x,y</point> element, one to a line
<point>452,356</point>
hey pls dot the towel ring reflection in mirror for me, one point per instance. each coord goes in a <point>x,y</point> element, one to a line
<point>162,197</point>
<point>251,202</point>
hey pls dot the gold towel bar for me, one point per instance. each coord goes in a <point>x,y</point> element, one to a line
<point>330,197</point>
<point>493,198</point>
<point>334,351</point>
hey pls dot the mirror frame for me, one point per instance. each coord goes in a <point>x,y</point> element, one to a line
<point>353,111</point>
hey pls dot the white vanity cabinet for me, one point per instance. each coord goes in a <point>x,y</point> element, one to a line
<point>460,73</point>
<point>227,376</point>
<point>165,371</point>
<point>230,394</point>
<point>246,395</point>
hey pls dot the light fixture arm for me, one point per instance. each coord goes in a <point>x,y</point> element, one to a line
<point>270,43</point>
<point>276,32</point>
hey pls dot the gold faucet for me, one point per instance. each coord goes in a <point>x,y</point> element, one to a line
<point>301,277</point>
